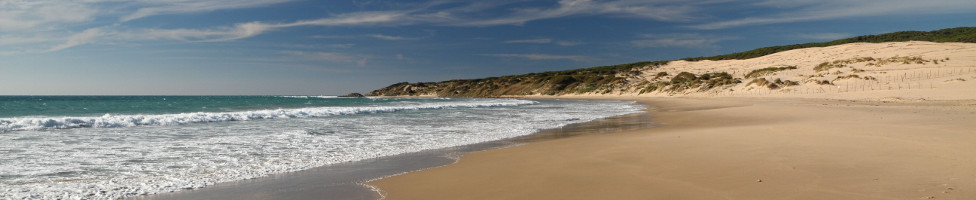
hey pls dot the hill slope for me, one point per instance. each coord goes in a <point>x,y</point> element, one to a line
<point>745,71</point>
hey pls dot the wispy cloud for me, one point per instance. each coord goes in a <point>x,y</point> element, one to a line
<point>238,31</point>
<point>543,41</point>
<point>342,45</point>
<point>29,15</point>
<point>568,43</point>
<point>655,10</point>
<point>809,10</point>
<point>679,40</point>
<point>538,56</point>
<point>85,37</point>
<point>32,15</point>
<point>531,41</point>
<point>390,37</point>
<point>456,17</point>
<point>824,36</point>
<point>162,7</point>
<point>55,25</point>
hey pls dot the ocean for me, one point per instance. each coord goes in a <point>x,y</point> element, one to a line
<point>109,147</point>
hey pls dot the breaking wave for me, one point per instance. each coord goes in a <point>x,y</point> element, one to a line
<point>114,121</point>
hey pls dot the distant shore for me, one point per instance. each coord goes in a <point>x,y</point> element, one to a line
<point>732,148</point>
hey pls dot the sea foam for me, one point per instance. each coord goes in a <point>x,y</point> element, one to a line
<point>113,121</point>
<point>132,160</point>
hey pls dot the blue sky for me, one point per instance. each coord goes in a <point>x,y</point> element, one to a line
<point>306,47</point>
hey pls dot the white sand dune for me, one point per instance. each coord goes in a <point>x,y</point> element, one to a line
<point>948,72</point>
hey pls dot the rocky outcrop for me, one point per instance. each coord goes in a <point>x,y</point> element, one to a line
<point>357,95</point>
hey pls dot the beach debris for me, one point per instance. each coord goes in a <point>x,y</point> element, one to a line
<point>758,180</point>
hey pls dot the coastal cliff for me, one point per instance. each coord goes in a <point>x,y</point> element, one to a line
<point>863,62</point>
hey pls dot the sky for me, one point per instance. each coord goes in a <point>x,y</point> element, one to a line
<point>326,47</point>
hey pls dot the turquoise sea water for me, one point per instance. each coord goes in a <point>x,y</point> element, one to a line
<point>107,147</point>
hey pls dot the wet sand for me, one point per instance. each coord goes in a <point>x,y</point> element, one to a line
<point>732,148</point>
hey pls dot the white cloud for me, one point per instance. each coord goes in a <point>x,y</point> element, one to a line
<point>531,41</point>
<point>812,10</point>
<point>354,19</point>
<point>361,62</point>
<point>390,37</point>
<point>543,41</point>
<point>59,17</point>
<point>568,43</point>
<point>20,15</point>
<point>679,40</point>
<point>50,25</point>
<point>238,31</point>
<point>655,10</point>
<point>85,37</point>
<point>538,56</point>
<point>342,45</point>
<point>162,7</point>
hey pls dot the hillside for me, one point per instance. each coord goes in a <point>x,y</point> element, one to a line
<point>864,62</point>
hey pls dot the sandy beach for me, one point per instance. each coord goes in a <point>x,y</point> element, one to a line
<point>732,148</point>
<point>884,121</point>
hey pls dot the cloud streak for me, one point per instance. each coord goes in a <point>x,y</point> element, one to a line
<point>390,37</point>
<point>60,25</point>
<point>800,11</point>
<point>543,41</point>
<point>531,41</point>
<point>163,7</point>
<point>28,15</point>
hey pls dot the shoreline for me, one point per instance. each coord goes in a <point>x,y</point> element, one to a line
<point>345,180</point>
<point>731,148</point>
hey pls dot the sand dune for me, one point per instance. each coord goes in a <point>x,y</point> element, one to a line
<point>910,71</point>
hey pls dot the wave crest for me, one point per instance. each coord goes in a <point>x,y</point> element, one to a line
<point>114,121</point>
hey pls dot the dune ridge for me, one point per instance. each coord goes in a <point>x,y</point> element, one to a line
<point>894,71</point>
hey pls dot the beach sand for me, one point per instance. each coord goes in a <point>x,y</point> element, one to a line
<point>732,148</point>
<point>882,127</point>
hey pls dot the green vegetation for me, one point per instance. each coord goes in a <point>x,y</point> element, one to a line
<point>827,66</point>
<point>659,75</point>
<point>685,80</point>
<point>961,34</point>
<point>878,62</point>
<point>766,71</point>
<point>602,79</point>
<point>847,77</point>
<point>778,83</point>
<point>903,60</point>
